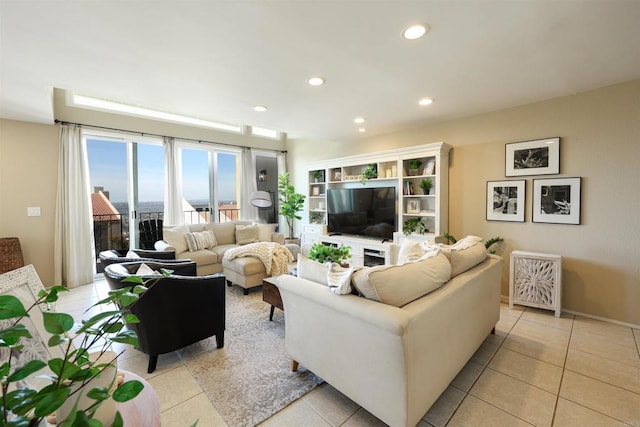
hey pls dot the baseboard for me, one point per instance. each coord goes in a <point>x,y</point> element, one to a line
<point>505,300</point>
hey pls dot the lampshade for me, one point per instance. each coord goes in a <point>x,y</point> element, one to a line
<point>261,199</point>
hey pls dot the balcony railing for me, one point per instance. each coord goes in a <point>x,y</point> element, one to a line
<point>112,231</point>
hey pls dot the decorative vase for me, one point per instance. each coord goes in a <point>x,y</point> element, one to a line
<point>107,379</point>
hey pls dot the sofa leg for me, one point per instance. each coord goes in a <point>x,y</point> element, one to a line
<point>220,339</point>
<point>229,284</point>
<point>493,331</point>
<point>245,291</point>
<point>294,366</point>
<point>153,361</point>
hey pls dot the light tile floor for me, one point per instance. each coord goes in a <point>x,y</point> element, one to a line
<point>536,370</point>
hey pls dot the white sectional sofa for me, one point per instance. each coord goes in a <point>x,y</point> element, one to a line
<point>394,361</point>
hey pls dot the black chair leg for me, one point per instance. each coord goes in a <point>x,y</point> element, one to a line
<point>229,284</point>
<point>245,291</point>
<point>220,339</point>
<point>153,361</point>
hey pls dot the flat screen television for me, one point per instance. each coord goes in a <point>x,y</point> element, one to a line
<point>366,212</point>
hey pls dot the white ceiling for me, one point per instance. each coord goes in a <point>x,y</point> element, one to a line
<point>216,59</point>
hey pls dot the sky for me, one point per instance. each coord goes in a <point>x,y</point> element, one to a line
<point>108,169</point>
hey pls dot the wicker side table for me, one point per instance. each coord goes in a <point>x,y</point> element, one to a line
<point>10,254</point>
<point>535,280</point>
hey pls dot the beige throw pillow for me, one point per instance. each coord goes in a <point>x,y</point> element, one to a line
<point>398,285</point>
<point>175,236</point>
<point>265,231</point>
<point>201,240</point>
<point>145,270</point>
<point>312,270</point>
<point>246,234</point>
<point>465,254</point>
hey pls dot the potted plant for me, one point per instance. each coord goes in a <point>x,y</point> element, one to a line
<point>371,171</point>
<point>317,175</point>
<point>73,373</point>
<point>414,225</point>
<point>290,202</point>
<point>414,165</point>
<point>426,185</point>
<point>329,253</point>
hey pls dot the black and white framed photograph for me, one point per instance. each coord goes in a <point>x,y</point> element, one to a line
<point>505,200</point>
<point>413,207</point>
<point>556,200</point>
<point>539,157</point>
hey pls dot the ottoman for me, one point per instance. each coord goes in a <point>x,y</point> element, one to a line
<point>246,272</point>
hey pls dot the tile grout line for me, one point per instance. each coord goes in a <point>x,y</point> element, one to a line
<point>564,367</point>
<point>484,368</point>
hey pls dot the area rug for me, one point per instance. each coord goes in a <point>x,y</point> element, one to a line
<point>250,379</point>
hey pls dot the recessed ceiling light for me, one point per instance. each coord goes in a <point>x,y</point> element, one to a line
<point>316,81</point>
<point>358,120</point>
<point>415,31</point>
<point>259,108</point>
<point>425,101</point>
<point>361,130</point>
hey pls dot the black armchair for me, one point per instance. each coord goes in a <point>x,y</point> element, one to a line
<point>176,310</point>
<point>118,256</point>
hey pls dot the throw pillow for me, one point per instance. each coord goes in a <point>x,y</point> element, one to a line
<point>246,234</point>
<point>339,279</point>
<point>265,231</point>
<point>201,240</point>
<point>398,285</point>
<point>131,254</point>
<point>312,270</point>
<point>466,258</point>
<point>145,270</point>
<point>410,250</point>
<point>175,236</point>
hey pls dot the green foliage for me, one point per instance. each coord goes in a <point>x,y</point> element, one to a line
<point>415,163</point>
<point>290,202</point>
<point>487,243</point>
<point>371,171</point>
<point>414,225</point>
<point>329,253</point>
<point>73,371</point>
<point>426,185</point>
<point>316,174</point>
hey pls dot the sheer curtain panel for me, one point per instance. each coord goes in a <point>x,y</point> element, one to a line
<point>173,186</point>
<point>247,210</point>
<point>74,254</point>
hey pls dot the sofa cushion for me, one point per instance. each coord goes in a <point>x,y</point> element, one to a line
<point>221,249</point>
<point>201,240</point>
<point>225,232</point>
<point>398,285</point>
<point>265,231</point>
<point>465,254</point>
<point>312,270</point>
<point>246,234</point>
<point>176,237</point>
<point>202,257</point>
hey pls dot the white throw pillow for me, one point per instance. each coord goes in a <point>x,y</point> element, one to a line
<point>131,254</point>
<point>339,279</point>
<point>145,270</point>
<point>201,240</point>
<point>410,250</point>
<point>398,285</point>
<point>312,270</point>
<point>176,237</point>
<point>246,234</point>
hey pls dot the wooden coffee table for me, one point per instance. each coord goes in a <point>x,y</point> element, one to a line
<point>271,295</point>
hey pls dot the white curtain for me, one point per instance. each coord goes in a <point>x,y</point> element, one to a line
<point>282,168</point>
<point>173,213</point>
<point>249,186</point>
<point>74,253</point>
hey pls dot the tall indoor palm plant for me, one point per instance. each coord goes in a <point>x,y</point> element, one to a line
<point>290,202</point>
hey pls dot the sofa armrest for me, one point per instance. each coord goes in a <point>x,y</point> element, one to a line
<point>163,246</point>
<point>277,237</point>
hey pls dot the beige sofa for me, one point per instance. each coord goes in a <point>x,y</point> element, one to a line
<point>190,242</point>
<point>394,361</point>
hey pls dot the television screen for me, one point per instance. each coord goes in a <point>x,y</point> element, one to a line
<point>367,212</point>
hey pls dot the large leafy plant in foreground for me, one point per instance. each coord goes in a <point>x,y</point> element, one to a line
<point>74,370</point>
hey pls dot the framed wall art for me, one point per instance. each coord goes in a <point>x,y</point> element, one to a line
<point>556,200</point>
<point>413,207</point>
<point>539,157</point>
<point>505,200</point>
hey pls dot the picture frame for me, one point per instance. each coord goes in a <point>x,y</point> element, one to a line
<point>337,175</point>
<point>25,284</point>
<point>557,200</point>
<point>413,207</point>
<point>537,157</point>
<point>506,200</point>
<point>429,168</point>
<point>315,190</point>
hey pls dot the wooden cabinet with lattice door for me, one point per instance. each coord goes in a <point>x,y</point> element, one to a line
<point>535,280</point>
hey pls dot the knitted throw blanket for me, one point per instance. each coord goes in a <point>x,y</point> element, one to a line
<point>274,256</point>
